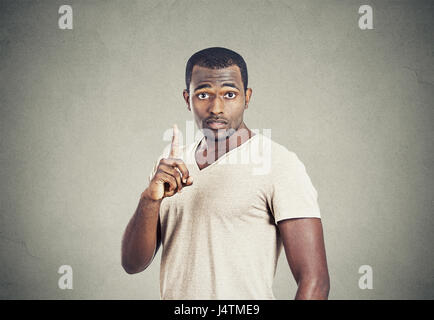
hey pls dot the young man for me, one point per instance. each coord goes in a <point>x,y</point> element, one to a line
<point>220,223</point>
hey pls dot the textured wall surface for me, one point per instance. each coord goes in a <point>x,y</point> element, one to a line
<point>83,112</point>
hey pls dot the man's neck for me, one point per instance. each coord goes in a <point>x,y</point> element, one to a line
<point>223,146</point>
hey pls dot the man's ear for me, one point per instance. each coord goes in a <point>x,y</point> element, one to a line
<point>186,98</point>
<point>248,96</point>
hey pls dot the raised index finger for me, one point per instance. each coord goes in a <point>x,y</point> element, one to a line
<point>174,148</point>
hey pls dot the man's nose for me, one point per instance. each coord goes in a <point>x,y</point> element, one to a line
<point>217,105</point>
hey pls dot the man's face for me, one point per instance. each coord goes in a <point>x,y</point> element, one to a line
<point>218,100</point>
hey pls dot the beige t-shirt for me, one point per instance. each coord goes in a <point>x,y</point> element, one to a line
<point>219,236</point>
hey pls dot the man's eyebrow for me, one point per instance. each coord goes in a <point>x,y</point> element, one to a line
<point>230,84</point>
<point>202,86</point>
<point>226,84</point>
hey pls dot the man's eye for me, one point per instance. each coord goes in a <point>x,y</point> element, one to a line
<point>230,95</point>
<point>202,95</point>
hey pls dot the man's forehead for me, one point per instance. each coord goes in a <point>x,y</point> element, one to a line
<point>203,74</point>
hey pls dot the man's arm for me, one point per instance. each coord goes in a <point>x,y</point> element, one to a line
<point>305,251</point>
<point>142,236</point>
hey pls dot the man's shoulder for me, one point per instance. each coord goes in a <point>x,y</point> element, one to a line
<point>279,152</point>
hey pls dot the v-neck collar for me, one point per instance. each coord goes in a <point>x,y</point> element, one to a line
<point>193,153</point>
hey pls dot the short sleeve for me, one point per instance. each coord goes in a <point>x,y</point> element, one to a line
<point>292,192</point>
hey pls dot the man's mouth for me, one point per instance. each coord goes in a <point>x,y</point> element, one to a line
<point>216,124</point>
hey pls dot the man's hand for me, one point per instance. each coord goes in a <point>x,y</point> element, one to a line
<point>171,174</point>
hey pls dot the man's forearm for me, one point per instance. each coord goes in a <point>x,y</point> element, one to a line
<point>140,238</point>
<point>313,289</point>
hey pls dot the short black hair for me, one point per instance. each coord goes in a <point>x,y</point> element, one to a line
<point>216,58</point>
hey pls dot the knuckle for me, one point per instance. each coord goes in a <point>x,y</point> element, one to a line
<point>171,161</point>
<point>176,172</point>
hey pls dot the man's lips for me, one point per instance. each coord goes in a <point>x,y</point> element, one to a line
<point>216,124</point>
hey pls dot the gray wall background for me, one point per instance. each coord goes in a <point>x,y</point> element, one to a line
<point>83,113</point>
